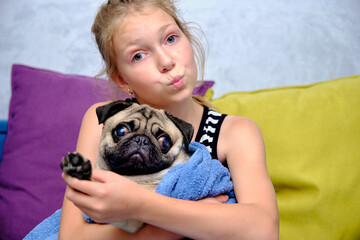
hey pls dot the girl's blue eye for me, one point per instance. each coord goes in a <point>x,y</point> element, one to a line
<point>171,39</point>
<point>138,57</point>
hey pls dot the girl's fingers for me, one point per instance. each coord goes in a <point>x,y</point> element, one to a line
<point>217,199</point>
<point>101,175</point>
<point>83,186</point>
<point>222,198</point>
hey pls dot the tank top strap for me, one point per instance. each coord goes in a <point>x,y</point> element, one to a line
<point>209,129</point>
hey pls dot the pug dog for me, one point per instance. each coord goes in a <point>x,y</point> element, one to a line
<point>139,142</point>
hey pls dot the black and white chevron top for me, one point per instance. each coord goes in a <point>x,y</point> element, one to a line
<point>209,130</point>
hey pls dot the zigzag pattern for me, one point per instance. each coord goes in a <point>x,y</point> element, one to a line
<point>209,130</point>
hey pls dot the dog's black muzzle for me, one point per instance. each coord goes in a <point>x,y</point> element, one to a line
<point>135,156</point>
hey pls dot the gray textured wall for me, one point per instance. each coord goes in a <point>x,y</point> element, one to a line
<point>252,44</point>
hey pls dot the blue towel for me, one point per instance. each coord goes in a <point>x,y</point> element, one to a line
<point>198,178</point>
<point>47,229</point>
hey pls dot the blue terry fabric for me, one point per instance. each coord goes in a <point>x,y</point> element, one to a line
<point>47,229</point>
<point>198,178</point>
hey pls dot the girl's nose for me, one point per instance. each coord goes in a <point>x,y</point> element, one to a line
<point>166,62</point>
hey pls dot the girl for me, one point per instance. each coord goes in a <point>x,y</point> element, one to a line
<point>149,52</point>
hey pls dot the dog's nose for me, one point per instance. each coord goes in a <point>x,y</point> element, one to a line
<point>142,140</point>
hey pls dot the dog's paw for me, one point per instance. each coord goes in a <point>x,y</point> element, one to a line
<point>75,165</point>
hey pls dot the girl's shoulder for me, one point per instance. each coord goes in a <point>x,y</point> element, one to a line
<point>90,132</point>
<point>239,135</point>
<point>91,111</point>
<point>232,123</point>
<point>96,105</point>
<point>90,120</point>
<point>238,126</point>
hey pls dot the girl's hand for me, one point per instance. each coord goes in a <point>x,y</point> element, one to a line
<point>109,198</point>
<point>217,199</point>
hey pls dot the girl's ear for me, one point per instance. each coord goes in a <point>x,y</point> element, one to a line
<point>118,80</point>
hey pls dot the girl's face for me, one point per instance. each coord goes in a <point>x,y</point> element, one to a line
<point>154,58</point>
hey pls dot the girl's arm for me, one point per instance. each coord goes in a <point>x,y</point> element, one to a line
<point>256,214</point>
<point>254,217</point>
<point>72,223</point>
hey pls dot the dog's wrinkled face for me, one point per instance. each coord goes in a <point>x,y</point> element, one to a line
<point>137,139</point>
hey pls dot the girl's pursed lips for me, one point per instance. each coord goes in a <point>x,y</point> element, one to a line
<point>177,81</point>
<point>177,78</point>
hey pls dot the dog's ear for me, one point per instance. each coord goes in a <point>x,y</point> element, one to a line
<point>185,128</point>
<point>109,110</point>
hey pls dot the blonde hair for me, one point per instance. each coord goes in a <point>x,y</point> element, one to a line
<point>113,12</point>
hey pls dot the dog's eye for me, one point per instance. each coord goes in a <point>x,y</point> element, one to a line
<point>121,131</point>
<point>165,143</point>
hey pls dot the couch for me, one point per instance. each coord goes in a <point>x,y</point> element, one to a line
<point>311,133</point>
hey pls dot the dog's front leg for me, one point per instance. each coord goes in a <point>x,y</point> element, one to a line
<point>75,165</point>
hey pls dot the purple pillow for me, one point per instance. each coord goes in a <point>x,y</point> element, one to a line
<point>202,89</point>
<point>45,115</point>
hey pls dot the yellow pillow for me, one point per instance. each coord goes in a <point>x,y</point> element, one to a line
<point>312,139</point>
